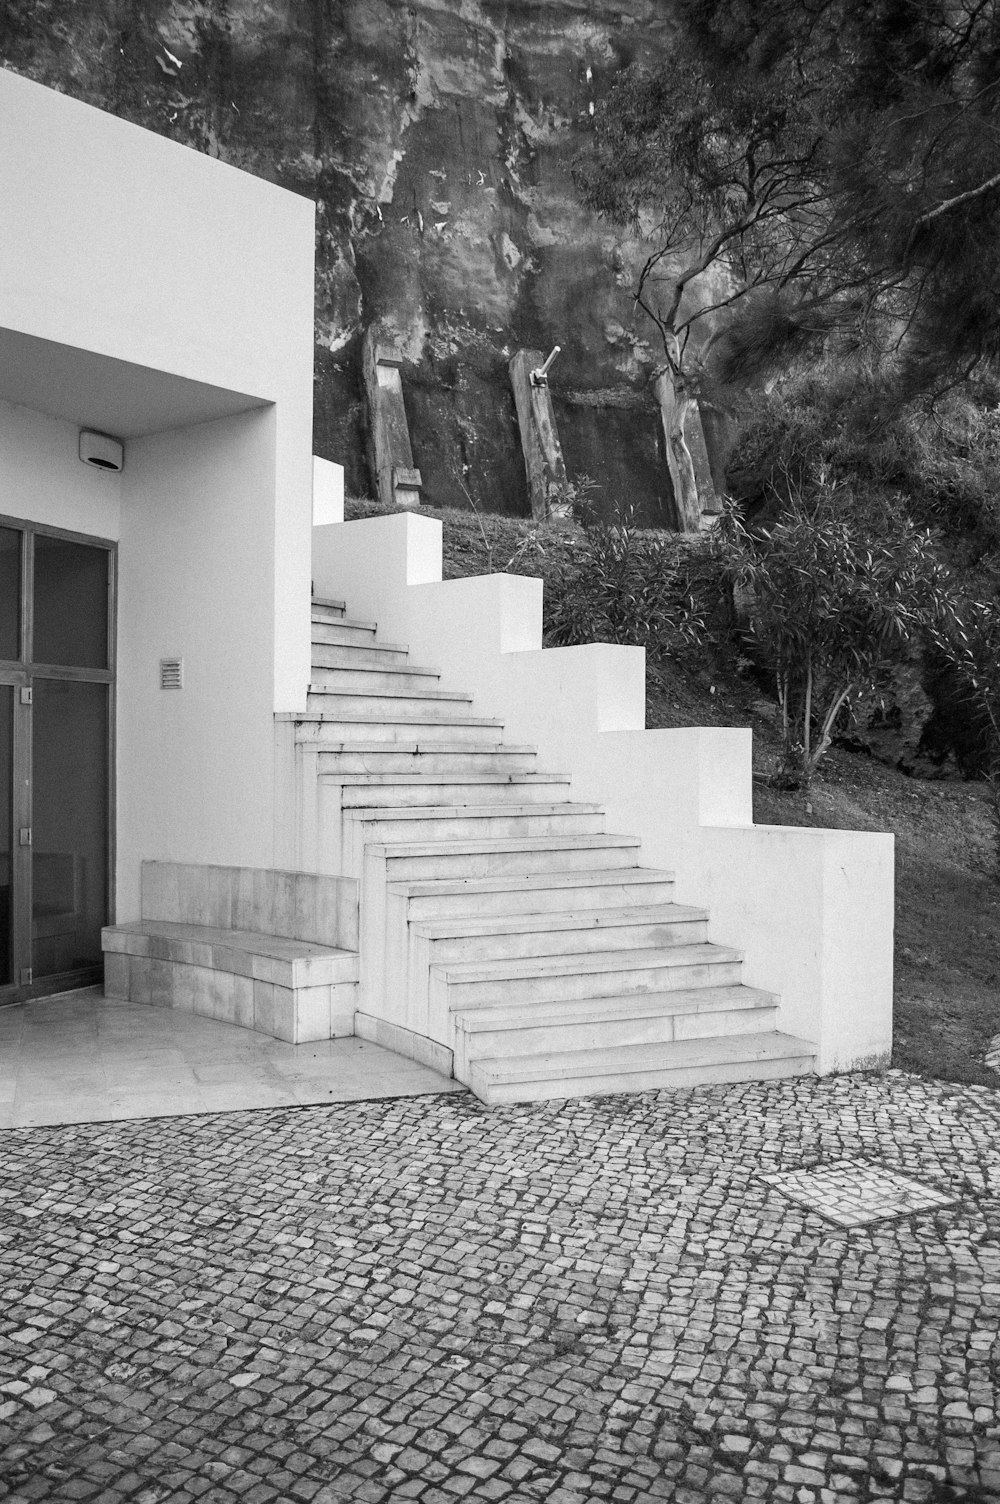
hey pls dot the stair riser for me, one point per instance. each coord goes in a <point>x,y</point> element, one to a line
<point>428,729</point>
<point>504,863</point>
<point>374,681</point>
<point>659,1028</point>
<point>360,652</point>
<point>497,1094</point>
<point>425,792</point>
<point>424,763</point>
<point>365,702</point>
<point>567,942</point>
<point>321,613</point>
<point>583,984</point>
<point>540,900</point>
<point>498,827</point>
<point>334,658</point>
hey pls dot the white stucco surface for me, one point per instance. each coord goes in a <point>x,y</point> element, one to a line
<point>328,491</point>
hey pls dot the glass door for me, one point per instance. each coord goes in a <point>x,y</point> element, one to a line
<point>7,848</point>
<point>56,718</point>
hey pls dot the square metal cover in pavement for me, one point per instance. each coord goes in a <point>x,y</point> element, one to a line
<point>854,1192</point>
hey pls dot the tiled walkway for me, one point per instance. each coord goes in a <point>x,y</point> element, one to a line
<point>689,1297</point>
<point>81,1058</point>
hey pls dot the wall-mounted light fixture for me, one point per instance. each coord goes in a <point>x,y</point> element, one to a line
<point>101,450</point>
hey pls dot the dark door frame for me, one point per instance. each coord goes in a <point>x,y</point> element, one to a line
<point>21,673</point>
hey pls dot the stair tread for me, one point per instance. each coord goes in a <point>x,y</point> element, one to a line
<point>360,718</point>
<point>484,845</point>
<point>318,600</point>
<point>358,647</point>
<point>521,1015</point>
<point>463,749</point>
<point>362,626</point>
<point>446,887</point>
<point>568,919</point>
<point>614,1059</point>
<point>373,668</point>
<point>391,692</point>
<point>417,812</point>
<point>649,958</point>
<point>445,780</point>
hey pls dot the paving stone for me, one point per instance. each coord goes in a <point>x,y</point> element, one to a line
<point>421,1299</point>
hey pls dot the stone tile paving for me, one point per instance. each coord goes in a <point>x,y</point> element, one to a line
<point>852,1192</point>
<point>424,1299</point>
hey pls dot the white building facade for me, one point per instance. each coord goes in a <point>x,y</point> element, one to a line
<point>165,299</point>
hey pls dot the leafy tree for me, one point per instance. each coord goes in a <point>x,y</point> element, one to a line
<point>811,173</point>
<point>831,602</point>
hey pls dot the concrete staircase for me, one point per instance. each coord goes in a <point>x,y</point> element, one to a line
<point>498,918</point>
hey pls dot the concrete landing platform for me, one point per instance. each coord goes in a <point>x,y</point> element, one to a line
<point>85,1058</point>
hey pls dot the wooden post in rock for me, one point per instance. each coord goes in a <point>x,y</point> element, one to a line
<point>543,460</point>
<point>397,480</point>
<point>710,504</point>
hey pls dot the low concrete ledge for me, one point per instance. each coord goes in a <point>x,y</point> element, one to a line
<point>266,958</point>
<point>255,947</point>
<point>405,1042</point>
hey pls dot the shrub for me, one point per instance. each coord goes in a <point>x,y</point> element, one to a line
<point>968,640</point>
<point>832,598</point>
<point>629,586</point>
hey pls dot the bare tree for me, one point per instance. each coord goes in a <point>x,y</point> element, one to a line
<point>805,170</point>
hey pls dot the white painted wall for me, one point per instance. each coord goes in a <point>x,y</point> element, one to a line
<point>42,479</point>
<point>195,765</point>
<point>812,909</point>
<point>145,277</point>
<point>142,249</point>
<point>123,244</point>
<point>328,491</point>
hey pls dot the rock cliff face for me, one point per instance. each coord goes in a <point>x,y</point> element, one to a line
<point>436,137</point>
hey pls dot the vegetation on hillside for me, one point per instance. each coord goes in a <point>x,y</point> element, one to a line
<point>813,180</point>
<point>820,188</point>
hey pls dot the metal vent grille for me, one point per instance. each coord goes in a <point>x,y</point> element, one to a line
<point>171,673</point>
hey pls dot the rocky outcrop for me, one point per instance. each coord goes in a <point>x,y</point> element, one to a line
<point>437,138</point>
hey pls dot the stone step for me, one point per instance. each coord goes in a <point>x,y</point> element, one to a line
<point>603,1022</point>
<point>429,757</point>
<point>324,610</point>
<point>467,984</point>
<point>474,822</point>
<point>389,704</point>
<point>645,1067</point>
<point>536,893</point>
<point>353,622</point>
<point>361,653</point>
<point>402,790</point>
<point>453,859</point>
<point>566,933</point>
<point>357,725</point>
<point>379,679</point>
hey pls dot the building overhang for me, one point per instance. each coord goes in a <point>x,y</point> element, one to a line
<point>102,392</point>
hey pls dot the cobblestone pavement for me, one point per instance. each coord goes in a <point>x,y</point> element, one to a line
<point>422,1299</point>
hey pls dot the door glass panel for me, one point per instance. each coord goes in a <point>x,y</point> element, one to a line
<point>10,592</point>
<point>69,836</point>
<point>6,826</point>
<point>71,603</point>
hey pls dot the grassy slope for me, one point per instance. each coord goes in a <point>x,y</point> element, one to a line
<point>947,901</point>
